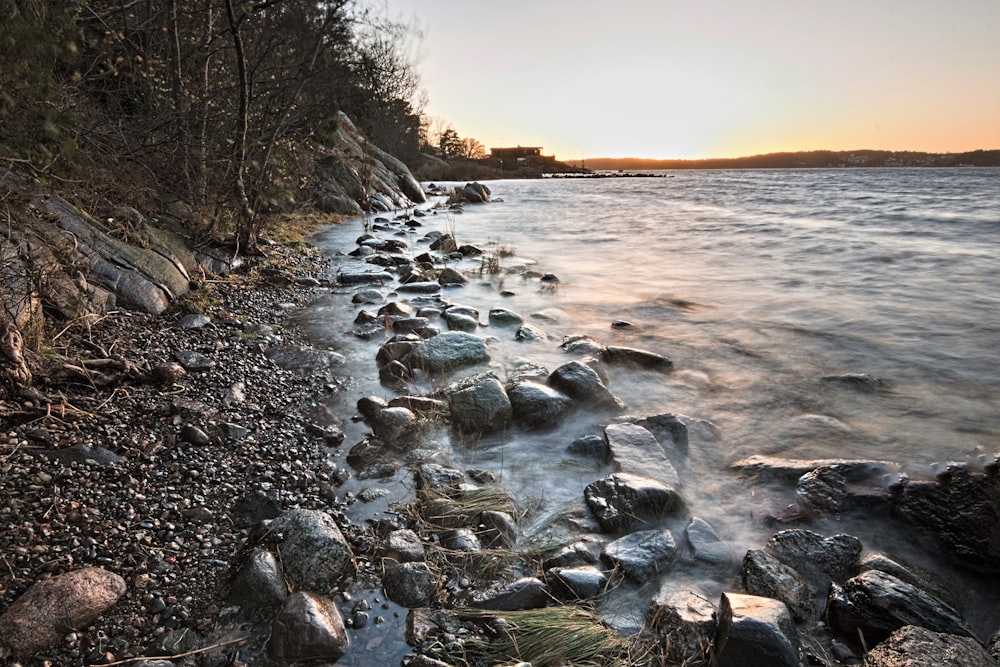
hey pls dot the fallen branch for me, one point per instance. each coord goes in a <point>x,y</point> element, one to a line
<point>204,649</point>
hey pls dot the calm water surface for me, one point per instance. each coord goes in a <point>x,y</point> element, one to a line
<point>757,284</point>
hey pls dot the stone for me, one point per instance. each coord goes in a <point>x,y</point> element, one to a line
<point>622,501</point>
<point>460,321</point>
<point>913,645</point>
<point>528,334</point>
<point>502,317</point>
<point>259,584</point>
<point>497,529</point>
<point>437,478</point>
<point>461,539</point>
<point>644,554</point>
<point>635,450</point>
<point>775,468</point>
<point>50,608</point>
<point>640,358</point>
<point>355,276</point>
<point>877,604</point>
<point>166,373</point>
<point>397,427</point>
<point>308,627</point>
<point>193,321</point>
<point>755,632</point>
<point>448,351</point>
<point>314,553</point>
<point>193,435</point>
<point>861,382</point>
<point>538,406</point>
<point>670,430</point>
<point>582,383</point>
<point>450,276</point>
<point>591,446</point>
<point>705,543</point>
<point>685,620</point>
<point>409,584</point>
<point>193,362</point>
<point>480,406</point>
<point>815,556</point>
<point>583,582</point>
<point>403,546</point>
<point>577,553</point>
<point>525,593</point>
<point>766,576</point>
<point>370,406</point>
<point>579,344</point>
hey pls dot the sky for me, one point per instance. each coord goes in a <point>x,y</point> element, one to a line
<point>710,78</point>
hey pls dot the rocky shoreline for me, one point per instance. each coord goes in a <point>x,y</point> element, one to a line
<point>196,489</point>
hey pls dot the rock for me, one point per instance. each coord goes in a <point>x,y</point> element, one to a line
<point>636,451</point>
<point>437,478</point>
<point>578,344</point>
<point>685,621</point>
<point>706,545</point>
<point>409,584</point>
<point>527,333</point>
<point>450,276</point>
<point>308,627</point>
<point>816,556</point>
<point>460,321</point>
<point>537,406</point>
<point>166,373</point>
<point>622,501</point>
<point>770,467</point>
<point>912,645</point>
<point>861,382</point>
<point>766,576</point>
<point>591,446</point>
<point>962,508</point>
<point>577,553</point>
<point>193,321</point>
<point>314,553</point>
<point>525,593</point>
<point>448,351</point>
<point>192,361</point>
<point>193,435</point>
<point>644,554</point>
<point>755,632</point>
<point>461,539</point>
<point>370,406</point>
<point>497,529</point>
<point>259,584</point>
<point>444,243</point>
<point>480,406</point>
<point>50,608</point>
<point>395,426</point>
<point>670,430</point>
<point>476,193</point>
<point>876,604</point>
<point>582,383</point>
<point>641,358</point>
<point>583,582</point>
<point>356,276</point>
<point>907,573</point>
<point>501,317</point>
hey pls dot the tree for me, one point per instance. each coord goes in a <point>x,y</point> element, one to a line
<point>450,143</point>
<point>473,149</point>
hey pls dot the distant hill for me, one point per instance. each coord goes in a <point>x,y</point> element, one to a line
<point>806,160</point>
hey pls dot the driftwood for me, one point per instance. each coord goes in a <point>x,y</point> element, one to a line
<point>15,367</point>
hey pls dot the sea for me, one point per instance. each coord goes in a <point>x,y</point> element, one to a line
<point>809,314</point>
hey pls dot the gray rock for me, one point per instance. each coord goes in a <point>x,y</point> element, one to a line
<point>579,344</point>
<point>193,435</point>
<point>497,529</point>
<point>670,430</point>
<point>755,632</point>
<point>644,554</point>
<point>909,574</point>
<point>770,467</point>
<point>420,287</point>
<point>501,317</point>
<point>356,276</point>
<point>582,383</point>
<point>450,276</point>
<point>635,450</point>
<point>480,406</point>
<point>528,333</point>
<point>410,584</point>
<point>641,358</point>
<point>461,539</point>
<point>876,604</point>
<point>912,645</point>
<point>192,361</point>
<point>537,406</point>
<point>394,350</point>
<point>766,576</point>
<point>460,321</point>
<point>370,406</point>
<point>50,608</point>
<point>816,556</point>
<point>314,553</point>
<point>395,426</point>
<point>861,382</point>
<point>591,446</point>
<point>622,501</point>
<point>583,582</point>
<point>259,584</point>
<point>193,321</point>
<point>706,545</point>
<point>435,477</point>
<point>308,627</point>
<point>685,621</point>
<point>577,553</point>
<point>448,351</point>
<point>525,593</point>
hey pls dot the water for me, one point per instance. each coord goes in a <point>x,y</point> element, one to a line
<point>757,284</point>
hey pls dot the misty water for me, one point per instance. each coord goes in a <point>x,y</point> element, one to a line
<point>757,285</point>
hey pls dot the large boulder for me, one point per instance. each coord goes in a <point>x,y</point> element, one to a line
<point>755,632</point>
<point>448,351</point>
<point>51,608</point>
<point>622,501</point>
<point>913,645</point>
<point>314,552</point>
<point>817,557</point>
<point>644,554</point>
<point>686,621</point>
<point>537,406</point>
<point>582,383</point>
<point>308,627</point>
<point>409,584</point>
<point>480,406</point>
<point>766,576</point>
<point>635,450</point>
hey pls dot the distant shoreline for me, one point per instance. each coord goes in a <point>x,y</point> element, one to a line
<point>802,160</point>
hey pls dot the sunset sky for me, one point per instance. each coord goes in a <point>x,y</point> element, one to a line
<point>711,78</point>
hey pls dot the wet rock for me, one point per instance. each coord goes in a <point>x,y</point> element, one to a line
<point>397,427</point>
<point>962,508</point>
<point>460,321</point>
<point>876,604</point>
<point>643,554</point>
<point>522,370</point>
<point>395,350</point>
<point>635,450</point>
<point>861,382</point>
<point>409,584</point>
<point>448,351</point>
<point>706,545</point>
<point>755,632</point>
<point>370,406</point>
<point>528,333</point>
<point>395,374</point>
<point>403,546</point>
<point>582,383</point>
<point>480,406</point>
<point>309,627</point>
<point>906,573</point>
<point>193,362</point>
<point>537,406</point>
<point>450,276</point>
<point>420,405</point>
<point>584,582</point>
<point>43,614</point>
<point>420,287</point>
<point>253,507</point>
<point>641,358</point>
<point>766,576</point>
<point>770,467</point>
<point>502,317</point>
<point>685,621</point>
<point>497,529</point>
<point>525,593</point>
<point>259,584</point>
<point>670,430</point>
<point>435,477</point>
<point>193,434</point>
<point>579,344</point>
<point>461,539</point>
<point>591,446</point>
<point>354,276</point>
<point>407,325</point>
<point>577,553</point>
<point>912,645</point>
<point>622,501</point>
<point>812,554</point>
<point>368,296</point>
<point>314,552</point>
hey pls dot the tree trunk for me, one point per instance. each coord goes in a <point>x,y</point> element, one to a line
<point>246,233</point>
